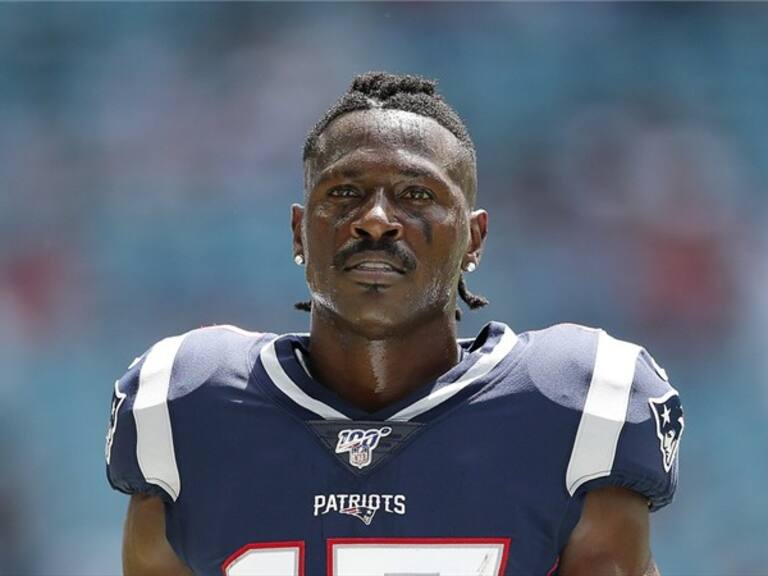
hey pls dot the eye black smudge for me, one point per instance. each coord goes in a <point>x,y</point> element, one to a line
<point>426,228</point>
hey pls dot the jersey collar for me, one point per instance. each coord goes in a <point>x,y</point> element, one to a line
<point>280,359</point>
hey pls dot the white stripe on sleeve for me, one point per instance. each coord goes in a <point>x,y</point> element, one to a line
<point>154,438</point>
<point>605,412</point>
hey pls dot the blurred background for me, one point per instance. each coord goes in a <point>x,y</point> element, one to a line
<point>149,154</point>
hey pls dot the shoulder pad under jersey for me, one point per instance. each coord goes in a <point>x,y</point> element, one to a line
<point>140,440</point>
<point>631,419</point>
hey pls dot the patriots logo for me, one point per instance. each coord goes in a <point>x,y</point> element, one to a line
<point>364,513</point>
<point>668,413</point>
<point>117,401</point>
<point>360,444</point>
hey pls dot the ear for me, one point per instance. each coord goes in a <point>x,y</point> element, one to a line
<point>297,216</point>
<point>478,230</point>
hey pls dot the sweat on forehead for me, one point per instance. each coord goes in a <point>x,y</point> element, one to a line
<point>394,130</point>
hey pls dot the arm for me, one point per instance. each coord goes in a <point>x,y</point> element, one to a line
<point>146,551</point>
<point>611,538</point>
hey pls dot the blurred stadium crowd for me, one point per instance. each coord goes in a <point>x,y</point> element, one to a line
<point>149,154</point>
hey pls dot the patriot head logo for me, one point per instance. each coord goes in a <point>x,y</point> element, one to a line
<point>363,513</point>
<point>360,444</point>
<point>668,413</point>
<point>117,400</point>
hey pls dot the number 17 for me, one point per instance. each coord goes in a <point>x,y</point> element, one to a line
<point>377,557</point>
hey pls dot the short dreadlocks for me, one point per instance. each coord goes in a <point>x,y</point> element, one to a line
<point>409,93</point>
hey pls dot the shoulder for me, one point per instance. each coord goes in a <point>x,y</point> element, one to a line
<point>567,361</point>
<point>627,417</point>
<point>140,446</point>
<point>560,359</point>
<point>219,355</point>
<point>213,354</point>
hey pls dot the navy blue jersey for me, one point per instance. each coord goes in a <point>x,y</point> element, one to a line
<point>264,471</point>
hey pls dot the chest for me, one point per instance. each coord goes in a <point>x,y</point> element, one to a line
<point>480,491</point>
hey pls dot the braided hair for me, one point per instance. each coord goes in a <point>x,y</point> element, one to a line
<point>409,93</point>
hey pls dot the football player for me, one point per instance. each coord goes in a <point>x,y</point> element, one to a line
<point>379,443</point>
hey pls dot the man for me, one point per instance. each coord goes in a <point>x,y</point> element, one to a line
<point>379,443</point>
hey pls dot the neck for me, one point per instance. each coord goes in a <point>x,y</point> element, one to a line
<point>373,372</point>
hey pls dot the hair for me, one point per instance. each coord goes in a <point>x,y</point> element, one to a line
<point>406,92</point>
<point>409,93</point>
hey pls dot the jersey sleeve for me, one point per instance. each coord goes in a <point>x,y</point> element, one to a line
<point>630,426</point>
<point>139,447</point>
<point>163,400</point>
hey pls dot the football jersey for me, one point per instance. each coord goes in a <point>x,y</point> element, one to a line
<point>266,472</point>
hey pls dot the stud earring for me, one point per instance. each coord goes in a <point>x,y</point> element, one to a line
<point>299,259</point>
<point>470,267</point>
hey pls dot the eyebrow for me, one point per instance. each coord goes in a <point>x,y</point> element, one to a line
<point>419,173</point>
<point>353,173</point>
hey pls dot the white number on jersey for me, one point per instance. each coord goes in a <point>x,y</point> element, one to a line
<point>378,557</point>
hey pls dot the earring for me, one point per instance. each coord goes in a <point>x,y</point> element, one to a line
<point>470,267</point>
<point>299,259</point>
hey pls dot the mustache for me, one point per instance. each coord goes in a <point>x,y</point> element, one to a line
<point>370,245</point>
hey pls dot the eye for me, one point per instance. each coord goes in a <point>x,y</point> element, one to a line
<point>418,194</point>
<point>344,192</point>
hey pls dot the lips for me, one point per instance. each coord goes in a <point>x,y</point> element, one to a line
<point>375,267</point>
<point>370,263</point>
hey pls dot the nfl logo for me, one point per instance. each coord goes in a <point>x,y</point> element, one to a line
<point>360,456</point>
<point>360,444</point>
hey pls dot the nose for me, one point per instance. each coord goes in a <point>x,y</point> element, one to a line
<point>375,220</point>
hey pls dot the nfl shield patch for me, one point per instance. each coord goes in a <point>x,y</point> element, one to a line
<point>668,413</point>
<point>360,444</point>
<point>366,445</point>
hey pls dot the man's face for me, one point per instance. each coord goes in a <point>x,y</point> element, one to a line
<point>387,226</point>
